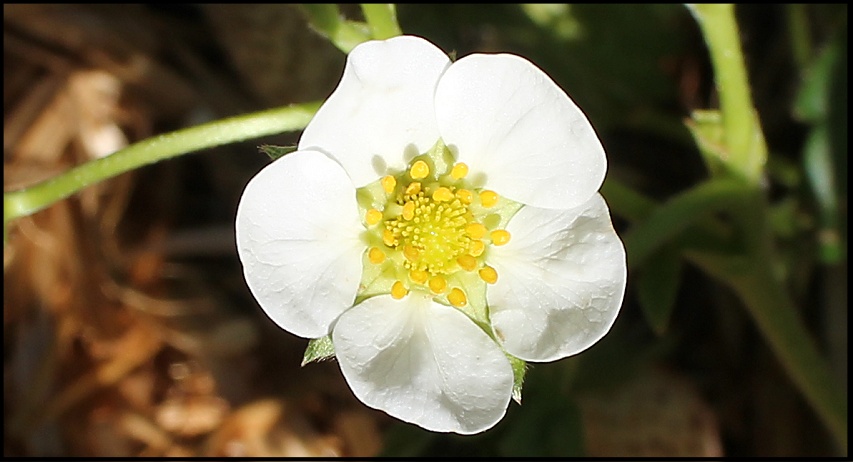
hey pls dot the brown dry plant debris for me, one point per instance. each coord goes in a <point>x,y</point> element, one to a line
<point>112,347</point>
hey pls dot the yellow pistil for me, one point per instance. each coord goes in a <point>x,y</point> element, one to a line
<point>488,274</point>
<point>459,171</point>
<point>375,255</point>
<point>499,236</point>
<point>388,184</point>
<point>372,217</point>
<point>398,290</point>
<point>488,198</point>
<point>437,284</point>
<point>457,298</point>
<point>419,170</point>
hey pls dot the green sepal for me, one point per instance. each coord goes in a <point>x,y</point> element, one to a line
<point>319,349</point>
<point>274,152</point>
<point>519,369</point>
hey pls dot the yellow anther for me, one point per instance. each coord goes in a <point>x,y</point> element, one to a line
<point>409,210</point>
<point>388,238</point>
<point>437,284</point>
<point>442,194</point>
<point>467,262</point>
<point>372,217</point>
<point>476,248</point>
<point>459,171</point>
<point>475,230</point>
<point>457,298</point>
<point>488,198</point>
<point>413,189</point>
<point>419,276</point>
<point>376,255</point>
<point>419,170</point>
<point>388,184</point>
<point>488,274</point>
<point>398,290</point>
<point>411,253</point>
<point>499,236</point>
<point>465,196</point>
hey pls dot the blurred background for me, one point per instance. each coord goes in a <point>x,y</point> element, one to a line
<point>128,329</point>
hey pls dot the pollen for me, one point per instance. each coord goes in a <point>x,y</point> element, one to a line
<point>419,170</point>
<point>488,198</point>
<point>488,274</point>
<point>398,290</point>
<point>475,230</point>
<point>409,210</point>
<point>442,194</point>
<point>419,276</point>
<point>459,171</point>
<point>389,183</point>
<point>372,217</point>
<point>467,262</point>
<point>437,284</point>
<point>465,196</point>
<point>476,248</point>
<point>413,189</point>
<point>388,238</point>
<point>457,298</point>
<point>411,253</point>
<point>375,255</point>
<point>499,236</point>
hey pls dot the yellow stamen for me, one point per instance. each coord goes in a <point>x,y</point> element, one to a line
<point>419,170</point>
<point>475,230</point>
<point>409,210</point>
<point>376,256</point>
<point>388,184</point>
<point>372,217</point>
<point>457,298</point>
<point>467,262</point>
<point>489,274</point>
<point>388,238</point>
<point>499,236</point>
<point>413,189</point>
<point>398,290</point>
<point>459,171</point>
<point>437,284</point>
<point>476,248</point>
<point>411,253</point>
<point>465,196</point>
<point>418,276</point>
<point>442,194</point>
<point>488,198</point>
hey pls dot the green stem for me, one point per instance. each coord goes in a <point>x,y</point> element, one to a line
<point>747,153</point>
<point>382,19</point>
<point>23,202</point>
<point>326,19</point>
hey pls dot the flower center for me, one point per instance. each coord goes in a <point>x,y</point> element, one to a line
<point>427,230</point>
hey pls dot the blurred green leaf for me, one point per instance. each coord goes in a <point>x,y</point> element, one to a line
<point>326,19</point>
<point>657,285</point>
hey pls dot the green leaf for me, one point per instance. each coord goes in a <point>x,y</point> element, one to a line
<point>657,285</point>
<point>326,19</point>
<point>319,349</point>
<point>275,152</point>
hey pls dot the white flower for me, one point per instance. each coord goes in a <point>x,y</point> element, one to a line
<point>437,217</point>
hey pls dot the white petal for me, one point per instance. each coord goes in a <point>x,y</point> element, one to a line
<point>519,131</point>
<point>423,363</point>
<point>298,238</point>
<point>382,114</point>
<point>561,280</point>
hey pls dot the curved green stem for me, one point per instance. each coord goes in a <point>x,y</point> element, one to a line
<point>747,152</point>
<point>382,19</point>
<point>29,200</point>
